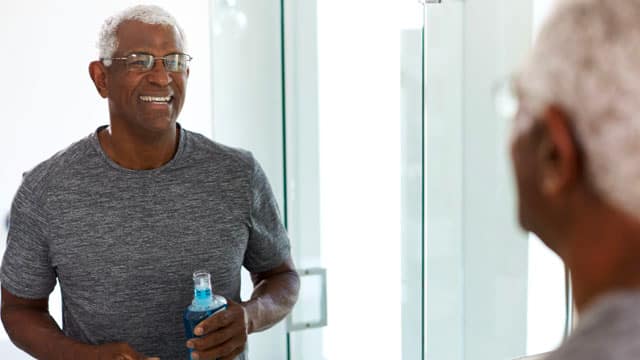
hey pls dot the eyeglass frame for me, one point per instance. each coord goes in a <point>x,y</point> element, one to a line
<point>108,61</point>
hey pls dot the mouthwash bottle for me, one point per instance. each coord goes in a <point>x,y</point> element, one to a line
<point>204,303</point>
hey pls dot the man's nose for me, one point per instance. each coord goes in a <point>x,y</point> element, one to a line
<point>158,73</point>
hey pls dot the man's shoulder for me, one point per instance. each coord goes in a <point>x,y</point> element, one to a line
<point>616,346</point>
<point>609,330</point>
<point>48,169</point>
<point>205,148</point>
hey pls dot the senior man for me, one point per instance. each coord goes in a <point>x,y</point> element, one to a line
<point>576,154</point>
<point>123,217</point>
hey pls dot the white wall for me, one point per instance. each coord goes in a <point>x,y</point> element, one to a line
<point>48,100</point>
<point>359,89</point>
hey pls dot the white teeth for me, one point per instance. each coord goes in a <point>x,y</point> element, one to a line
<point>155,98</point>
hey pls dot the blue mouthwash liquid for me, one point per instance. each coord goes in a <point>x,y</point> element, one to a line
<point>204,303</point>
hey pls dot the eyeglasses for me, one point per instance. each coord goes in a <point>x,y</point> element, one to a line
<point>140,62</point>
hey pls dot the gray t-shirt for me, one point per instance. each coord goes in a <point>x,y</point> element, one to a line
<point>609,330</point>
<point>123,244</point>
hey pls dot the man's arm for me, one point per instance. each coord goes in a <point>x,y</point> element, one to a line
<point>224,335</point>
<point>31,328</point>
<point>274,294</point>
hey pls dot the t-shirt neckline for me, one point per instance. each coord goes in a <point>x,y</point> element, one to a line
<point>181,145</point>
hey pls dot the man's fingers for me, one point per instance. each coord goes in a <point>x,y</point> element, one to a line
<point>233,355</point>
<point>213,339</point>
<point>224,350</point>
<point>130,357</point>
<point>139,356</point>
<point>215,322</point>
<point>212,323</point>
<point>221,336</point>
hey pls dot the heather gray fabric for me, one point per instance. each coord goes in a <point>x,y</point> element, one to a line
<point>609,330</point>
<point>123,243</point>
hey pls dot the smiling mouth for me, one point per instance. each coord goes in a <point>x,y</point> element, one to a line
<point>157,99</point>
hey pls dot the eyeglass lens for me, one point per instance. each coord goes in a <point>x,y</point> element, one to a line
<point>145,62</point>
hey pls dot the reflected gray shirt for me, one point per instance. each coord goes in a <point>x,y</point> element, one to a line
<point>123,244</point>
<point>609,330</point>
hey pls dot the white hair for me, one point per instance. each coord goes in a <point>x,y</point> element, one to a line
<point>148,14</point>
<point>587,61</point>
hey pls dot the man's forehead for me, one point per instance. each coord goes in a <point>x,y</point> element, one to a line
<point>135,35</point>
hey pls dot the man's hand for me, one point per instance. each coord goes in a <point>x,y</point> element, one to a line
<point>223,335</point>
<point>119,351</point>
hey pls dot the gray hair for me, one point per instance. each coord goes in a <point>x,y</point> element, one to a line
<point>148,14</point>
<point>587,61</point>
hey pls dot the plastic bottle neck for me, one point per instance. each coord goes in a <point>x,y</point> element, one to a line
<point>202,294</point>
<point>202,297</point>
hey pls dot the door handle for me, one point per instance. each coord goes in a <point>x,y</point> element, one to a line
<point>292,324</point>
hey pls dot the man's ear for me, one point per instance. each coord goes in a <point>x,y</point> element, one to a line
<point>99,76</point>
<point>558,152</point>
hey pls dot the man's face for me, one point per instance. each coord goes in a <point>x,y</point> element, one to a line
<point>129,91</point>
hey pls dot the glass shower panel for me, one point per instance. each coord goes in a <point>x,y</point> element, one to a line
<point>353,120</point>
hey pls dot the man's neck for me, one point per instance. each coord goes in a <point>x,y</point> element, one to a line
<point>603,257</point>
<point>137,152</point>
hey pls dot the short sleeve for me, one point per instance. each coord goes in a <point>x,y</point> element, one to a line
<point>26,267</point>
<point>268,244</point>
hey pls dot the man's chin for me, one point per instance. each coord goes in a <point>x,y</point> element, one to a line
<point>158,125</point>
